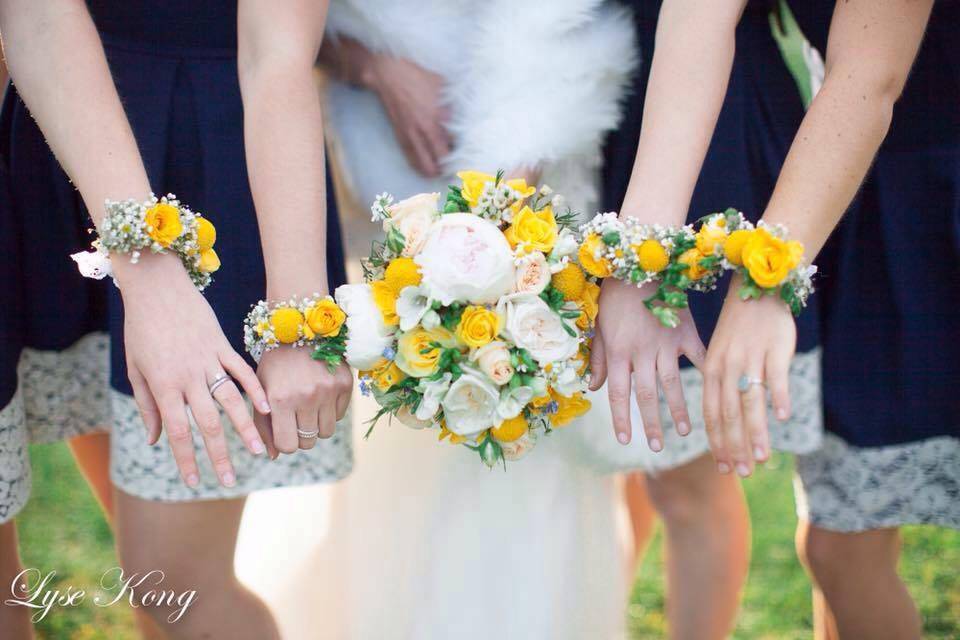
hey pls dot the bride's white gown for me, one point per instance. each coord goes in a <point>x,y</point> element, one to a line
<point>422,541</point>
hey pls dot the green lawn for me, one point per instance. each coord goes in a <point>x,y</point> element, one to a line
<point>62,529</point>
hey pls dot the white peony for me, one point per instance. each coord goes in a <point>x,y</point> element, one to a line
<point>433,392</point>
<point>413,218</point>
<point>412,304</point>
<point>466,259</point>
<point>368,337</point>
<point>534,326</point>
<point>532,274</point>
<point>470,405</point>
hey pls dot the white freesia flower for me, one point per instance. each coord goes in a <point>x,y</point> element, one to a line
<point>494,360</point>
<point>470,405</point>
<point>412,304</point>
<point>431,320</point>
<point>467,259</point>
<point>368,337</point>
<point>433,392</point>
<point>512,401</point>
<point>413,218</point>
<point>532,274</point>
<point>534,326</point>
<point>520,447</point>
<point>566,381</point>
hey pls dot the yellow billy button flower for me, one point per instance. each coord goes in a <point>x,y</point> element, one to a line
<point>478,326</point>
<point>733,247</point>
<point>651,256</point>
<point>535,230</point>
<point>418,353</point>
<point>692,258</point>
<point>385,297</point>
<point>287,323</point>
<point>473,183</point>
<point>589,306</point>
<point>209,261</point>
<point>591,256</point>
<point>569,281</point>
<point>164,224</point>
<point>769,259</point>
<point>402,272</point>
<point>510,430</point>
<point>568,409</point>
<point>711,237</point>
<point>325,318</point>
<point>206,234</point>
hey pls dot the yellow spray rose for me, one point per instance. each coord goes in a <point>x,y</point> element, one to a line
<point>209,261</point>
<point>402,272</point>
<point>652,256</point>
<point>473,183</point>
<point>592,247</point>
<point>206,234</point>
<point>569,281</point>
<point>769,259</point>
<point>286,323</point>
<point>385,297</point>
<point>536,230</point>
<point>418,353</point>
<point>733,247</point>
<point>325,318</point>
<point>387,375</point>
<point>164,223</point>
<point>510,430</point>
<point>710,237</point>
<point>478,326</point>
<point>692,258</point>
<point>569,409</point>
<point>589,306</point>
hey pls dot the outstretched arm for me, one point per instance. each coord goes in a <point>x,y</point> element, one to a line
<point>871,48</point>
<point>685,92</point>
<point>283,129</point>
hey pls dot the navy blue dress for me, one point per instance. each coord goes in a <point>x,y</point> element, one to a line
<point>760,114</point>
<point>175,67</point>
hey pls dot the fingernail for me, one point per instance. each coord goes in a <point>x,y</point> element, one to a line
<point>743,470</point>
<point>228,479</point>
<point>264,407</point>
<point>683,428</point>
<point>257,447</point>
<point>623,437</point>
<point>193,480</point>
<point>655,444</point>
<point>723,467</point>
<point>781,414</point>
<point>758,453</point>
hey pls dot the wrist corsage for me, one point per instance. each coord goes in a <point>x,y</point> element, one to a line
<point>676,257</point>
<point>315,322</point>
<point>158,225</point>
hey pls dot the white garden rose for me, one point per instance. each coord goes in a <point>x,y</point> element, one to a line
<point>494,360</point>
<point>368,337</point>
<point>466,259</point>
<point>470,405</point>
<point>413,218</point>
<point>532,274</point>
<point>534,326</point>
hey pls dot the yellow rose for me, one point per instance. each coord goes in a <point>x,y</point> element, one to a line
<point>385,297</point>
<point>209,261</point>
<point>769,259</point>
<point>569,408</point>
<point>692,258</point>
<point>536,230</point>
<point>325,318</point>
<point>569,281</point>
<point>520,185</point>
<point>206,234</point>
<point>652,256</point>
<point>510,430</point>
<point>473,183</point>
<point>478,326</point>
<point>418,353</point>
<point>164,224</point>
<point>402,272</point>
<point>591,257</point>
<point>286,323</point>
<point>733,247</point>
<point>387,376</point>
<point>589,306</point>
<point>709,238</point>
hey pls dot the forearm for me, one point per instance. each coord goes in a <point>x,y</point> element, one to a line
<point>685,93</point>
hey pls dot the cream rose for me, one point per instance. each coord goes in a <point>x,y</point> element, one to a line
<point>532,325</point>
<point>466,259</point>
<point>470,405</point>
<point>494,360</point>
<point>368,336</point>
<point>408,419</point>
<point>520,447</point>
<point>532,274</point>
<point>413,218</point>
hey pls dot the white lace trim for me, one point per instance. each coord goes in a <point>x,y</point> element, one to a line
<point>595,445</point>
<point>846,488</point>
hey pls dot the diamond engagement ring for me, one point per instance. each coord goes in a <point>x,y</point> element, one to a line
<point>218,382</point>
<point>745,382</point>
<point>308,435</point>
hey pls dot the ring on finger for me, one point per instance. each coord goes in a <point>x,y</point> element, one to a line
<point>308,435</point>
<point>745,382</point>
<point>221,379</point>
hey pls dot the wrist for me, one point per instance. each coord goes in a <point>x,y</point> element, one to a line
<point>282,289</point>
<point>147,272</point>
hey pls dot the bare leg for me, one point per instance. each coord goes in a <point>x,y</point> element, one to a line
<point>14,621</point>
<point>857,574</point>
<point>643,517</point>
<point>92,455</point>
<point>193,544</point>
<point>707,547</point>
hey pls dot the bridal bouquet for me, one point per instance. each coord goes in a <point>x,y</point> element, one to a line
<point>475,318</point>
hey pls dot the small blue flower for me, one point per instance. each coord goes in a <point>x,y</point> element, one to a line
<point>389,353</point>
<point>365,389</point>
<point>551,407</point>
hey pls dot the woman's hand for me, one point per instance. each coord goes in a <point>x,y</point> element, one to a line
<point>629,338</point>
<point>175,350</point>
<point>754,340</point>
<point>306,399</point>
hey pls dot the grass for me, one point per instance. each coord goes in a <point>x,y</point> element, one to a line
<point>62,530</point>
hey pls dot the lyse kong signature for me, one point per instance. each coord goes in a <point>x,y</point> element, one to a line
<point>33,589</point>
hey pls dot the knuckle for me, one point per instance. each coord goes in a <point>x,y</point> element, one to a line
<point>646,396</point>
<point>670,380</point>
<point>731,414</point>
<point>211,428</point>
<point>285,447</point>
<point>179,434</point>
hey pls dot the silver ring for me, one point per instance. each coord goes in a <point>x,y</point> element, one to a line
<point>218,382</point>
<point>745,382</point>
<point>308,435</point>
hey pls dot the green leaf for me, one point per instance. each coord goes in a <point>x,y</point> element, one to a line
<point>611,237</point>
